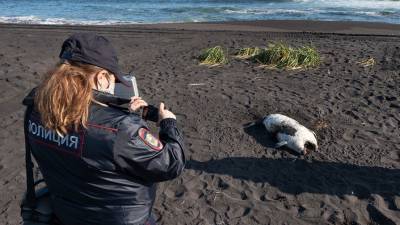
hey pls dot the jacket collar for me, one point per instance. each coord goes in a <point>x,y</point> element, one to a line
<point>108,99</point>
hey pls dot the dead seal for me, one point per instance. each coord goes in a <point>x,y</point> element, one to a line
<point>291,133</point>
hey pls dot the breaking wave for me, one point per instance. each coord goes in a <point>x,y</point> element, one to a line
<point>105,12</point>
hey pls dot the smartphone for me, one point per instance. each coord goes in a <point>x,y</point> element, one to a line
<point>123,91</point>
<point>150,113</point>
<point>126,92</point>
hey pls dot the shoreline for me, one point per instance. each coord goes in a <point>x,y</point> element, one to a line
<point>274,26</point>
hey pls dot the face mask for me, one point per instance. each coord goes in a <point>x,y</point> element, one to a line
<point>110,89</point>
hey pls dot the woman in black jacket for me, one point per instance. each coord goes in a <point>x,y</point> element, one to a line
<point>100,163</point>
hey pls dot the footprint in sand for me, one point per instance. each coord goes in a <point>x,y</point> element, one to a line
<point>348,135</point>
<point>393,156</point>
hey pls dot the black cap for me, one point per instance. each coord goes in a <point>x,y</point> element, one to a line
<point>92,49</point>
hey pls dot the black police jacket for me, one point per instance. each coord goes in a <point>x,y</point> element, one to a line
<point>106,173</point>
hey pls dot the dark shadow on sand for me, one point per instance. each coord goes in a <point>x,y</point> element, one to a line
<point>301,176</point>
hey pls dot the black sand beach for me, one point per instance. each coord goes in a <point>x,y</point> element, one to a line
<point>234,175</point>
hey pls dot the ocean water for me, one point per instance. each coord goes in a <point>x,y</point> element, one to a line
<point>102,12</point>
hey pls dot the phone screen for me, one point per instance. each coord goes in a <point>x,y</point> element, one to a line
<point>123,91</point>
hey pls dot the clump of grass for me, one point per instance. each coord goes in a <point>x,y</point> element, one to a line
<point>213,56</point>
<point>246,53</point>
<point>367,62</point>
<point>279,56</point>
<point>282,56</point>
<point>308,56</point>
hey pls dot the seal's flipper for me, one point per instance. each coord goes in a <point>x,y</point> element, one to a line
<point>280,144</point>
<point>247,125</point>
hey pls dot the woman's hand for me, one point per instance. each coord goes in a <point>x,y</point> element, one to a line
<point>136,103</point>
<point>164,113</point>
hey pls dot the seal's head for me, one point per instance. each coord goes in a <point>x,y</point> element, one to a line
<point>309,147</point>
<point>303,142</point>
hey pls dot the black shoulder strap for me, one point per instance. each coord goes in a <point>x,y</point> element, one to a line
<point>30,181</point>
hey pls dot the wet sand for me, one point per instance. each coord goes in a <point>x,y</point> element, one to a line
<point>234,174</point>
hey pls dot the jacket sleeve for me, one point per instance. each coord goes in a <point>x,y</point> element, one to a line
<point>138,153</point>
